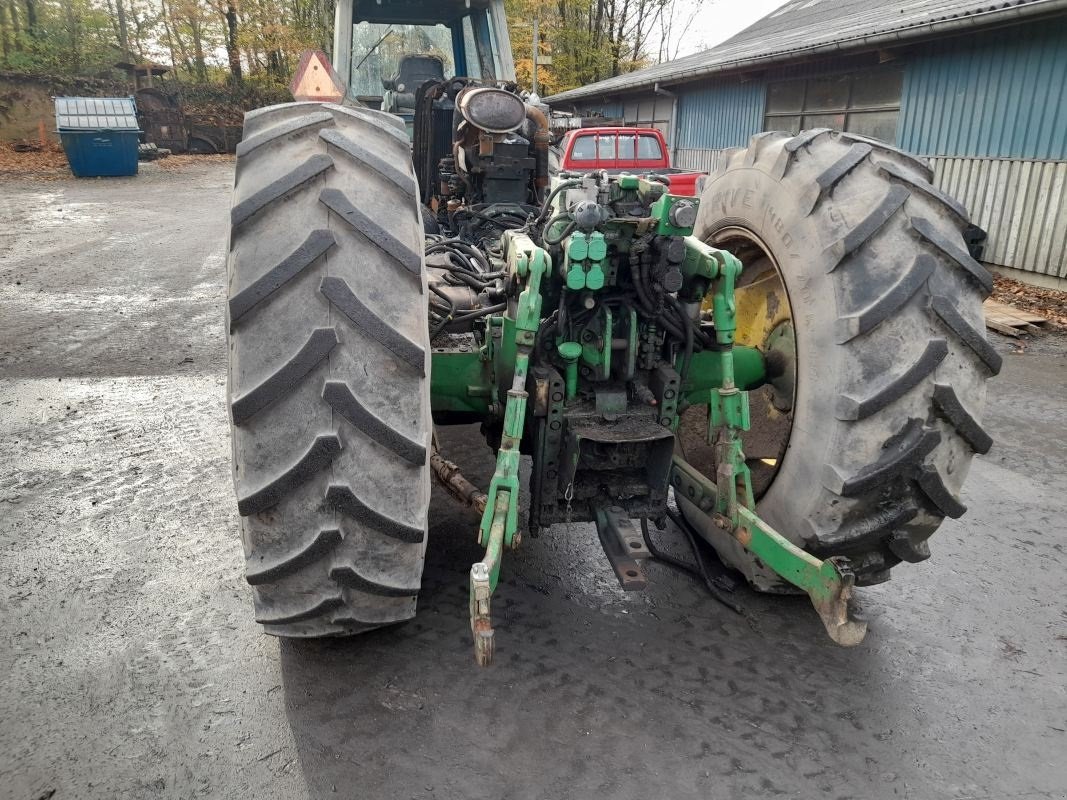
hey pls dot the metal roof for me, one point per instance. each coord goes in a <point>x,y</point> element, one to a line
<point>96,113</point>
<point>808,27</point>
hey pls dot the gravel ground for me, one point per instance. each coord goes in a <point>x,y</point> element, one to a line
<point>132,667</point>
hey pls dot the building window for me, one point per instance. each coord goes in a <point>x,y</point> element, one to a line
<point>866,103</point>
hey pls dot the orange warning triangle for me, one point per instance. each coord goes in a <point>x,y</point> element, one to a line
<point>316,80</point>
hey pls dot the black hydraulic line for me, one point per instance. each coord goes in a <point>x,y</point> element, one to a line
<point>443,296</point>
<point>451,310</point>
<point>548,200</point>
<point>544,330</point>
<point>457,266</point>
<point>479,312</point>
<point>643,300</point>
<point>667,558</point>
<point>698,571</point>
<point>509,208</point>
<point>515,215</point>
<point>466,267</point>
<point>492,211</point>
<point>470,280</point>
<point>487,219</point>
<point>567,231</point>
<point>691,535</point>
<point>669,325</point>
<point>687,324</point>
<point>456,245</point>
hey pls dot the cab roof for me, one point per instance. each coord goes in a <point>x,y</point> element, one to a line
<point>414,12</point>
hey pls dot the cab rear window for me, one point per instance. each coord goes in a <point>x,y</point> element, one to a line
<point>584,148</point>
<point>605,147</point>
<point>648,148</point>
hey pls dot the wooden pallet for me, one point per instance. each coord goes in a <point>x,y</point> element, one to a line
<point>1011,321</point>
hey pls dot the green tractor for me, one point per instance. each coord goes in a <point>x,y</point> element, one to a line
<point>792,366</point>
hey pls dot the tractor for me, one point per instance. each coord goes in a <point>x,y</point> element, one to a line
<point>791,365</point>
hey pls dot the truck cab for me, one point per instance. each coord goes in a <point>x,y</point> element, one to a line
<point>619,149</point>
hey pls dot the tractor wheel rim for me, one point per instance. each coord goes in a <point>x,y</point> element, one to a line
<point>765,321</point>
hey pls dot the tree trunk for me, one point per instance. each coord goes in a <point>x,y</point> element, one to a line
<point>168,36</point>
<point>233,53</point>
<point>324,24</point>
<point>16,25</point>
<point>252,60</point>
<point>124,35</point>
<point>276,64</point>
<point>72,55</point>
<point>5,36</point>
<point>139,33</point>
<point>199,64</point>
<point>31,17</point>
<point>176,37</point>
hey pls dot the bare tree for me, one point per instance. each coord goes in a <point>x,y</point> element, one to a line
<point>674,22</point>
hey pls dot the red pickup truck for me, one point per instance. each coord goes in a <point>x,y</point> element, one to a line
<point>641,151</point>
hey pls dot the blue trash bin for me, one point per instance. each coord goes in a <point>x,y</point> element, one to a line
<point>99,135</point>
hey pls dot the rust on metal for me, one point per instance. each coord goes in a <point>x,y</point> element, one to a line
<point>450,477</point>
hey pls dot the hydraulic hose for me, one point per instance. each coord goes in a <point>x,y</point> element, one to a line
<point>699,571</point>
<point>687,325</point>
<point>480,312</point>
<point>567,230</point>
<point>456,245</point>
<point>547,206</point>
<point>446,319</point>
<point>636,273</point>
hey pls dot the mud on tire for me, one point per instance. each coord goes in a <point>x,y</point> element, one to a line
<point>328,389</point>
<point>892,357</point>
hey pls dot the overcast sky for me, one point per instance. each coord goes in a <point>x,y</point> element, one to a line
<point>716,21</point>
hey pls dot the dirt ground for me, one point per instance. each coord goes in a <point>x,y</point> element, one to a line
<point>49,163</point>
<point>1049,303</point>
<point>132,668</point>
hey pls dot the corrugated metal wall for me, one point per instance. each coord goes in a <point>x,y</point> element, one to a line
<point>648,110</point>
<point>701,160</point>
<point>1021,204</point>
<point>989,110</point>
<point>998,94</point>
<point>720,114</point>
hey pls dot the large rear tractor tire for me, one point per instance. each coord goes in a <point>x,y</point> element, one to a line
<point>885,351</point>
<point>329,371</point>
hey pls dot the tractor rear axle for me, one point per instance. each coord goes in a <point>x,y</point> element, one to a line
<point>631,429</point>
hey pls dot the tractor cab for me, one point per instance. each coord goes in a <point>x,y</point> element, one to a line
<point>387,50</point>
<point>413,72</point>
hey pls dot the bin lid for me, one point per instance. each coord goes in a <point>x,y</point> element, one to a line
<point>96,113</point>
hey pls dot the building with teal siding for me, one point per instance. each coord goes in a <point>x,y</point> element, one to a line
<point>979,88</point>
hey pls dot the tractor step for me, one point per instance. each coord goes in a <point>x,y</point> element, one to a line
<point>624,547</point>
